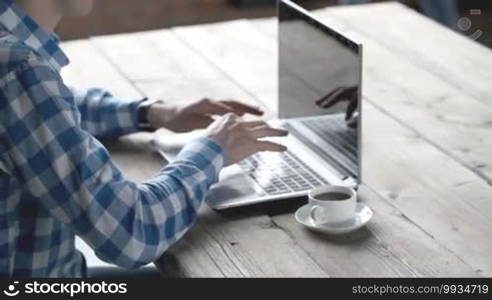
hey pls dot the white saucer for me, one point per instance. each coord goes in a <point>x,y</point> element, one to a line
<point>362,215</point>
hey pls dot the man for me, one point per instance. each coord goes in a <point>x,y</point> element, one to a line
<point>57,180</point>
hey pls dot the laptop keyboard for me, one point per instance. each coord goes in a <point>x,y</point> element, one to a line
<point>335,132</point>
<point>342,141</point>
<point>280,173</point>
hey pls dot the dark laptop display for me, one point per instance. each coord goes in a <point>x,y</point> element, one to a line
<point>320,75</point>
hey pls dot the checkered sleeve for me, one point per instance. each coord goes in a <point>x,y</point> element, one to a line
<point>105,116</point>
<point>70,172</point>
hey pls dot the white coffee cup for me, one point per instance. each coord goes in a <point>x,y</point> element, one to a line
<point>330,210</point>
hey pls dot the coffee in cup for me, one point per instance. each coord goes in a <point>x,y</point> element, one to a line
<point>332,196</point>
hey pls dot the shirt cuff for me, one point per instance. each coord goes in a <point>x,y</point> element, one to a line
<point>207,155</point>
<point>125,117</point>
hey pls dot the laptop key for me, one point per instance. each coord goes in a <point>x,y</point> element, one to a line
<point>280,173</point>
<point>301,188</point>
<point>271,189</point>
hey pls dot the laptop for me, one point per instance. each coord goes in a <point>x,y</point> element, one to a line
<point>320,103</point>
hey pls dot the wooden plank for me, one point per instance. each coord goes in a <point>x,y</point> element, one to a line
<point>444,199</point>
<point>441,51</point>
<point>452,117</point>
<point>256,247</point>
<point>183,260</point>
<point>390,246</point>
<point>169,69</point>
<point>236,245</point>
<point>88,69</point>
<point>267,26</point>
<point>420,192</point>
<point>236,56</point>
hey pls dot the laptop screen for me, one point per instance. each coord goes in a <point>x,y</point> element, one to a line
<point>320,75</point>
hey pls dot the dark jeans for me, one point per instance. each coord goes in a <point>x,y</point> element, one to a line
<point>115,272</point>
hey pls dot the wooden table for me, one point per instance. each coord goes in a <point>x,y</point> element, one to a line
<point>427,161</point>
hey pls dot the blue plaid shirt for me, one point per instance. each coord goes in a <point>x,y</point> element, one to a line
<point>57,180</point>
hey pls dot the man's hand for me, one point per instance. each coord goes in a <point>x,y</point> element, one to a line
<point>197,115</point>
<point>340,94</point>
<point>240,139</point>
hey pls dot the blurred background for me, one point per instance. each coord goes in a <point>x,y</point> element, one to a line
<point>472,18</point>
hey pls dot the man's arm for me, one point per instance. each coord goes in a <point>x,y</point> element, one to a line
<point>105,116</point>
<point>72,175</point>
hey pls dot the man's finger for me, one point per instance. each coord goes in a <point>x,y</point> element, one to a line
<point>216,108</point>
<point>333,99</point>
<point>253,124</point>
<point>200,122</point>
<point>267,131</point>
<point>327,96</point>
<point>243,107</point>
<point>269,146</point>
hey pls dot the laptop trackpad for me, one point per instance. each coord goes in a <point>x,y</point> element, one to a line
<point>234,187</point>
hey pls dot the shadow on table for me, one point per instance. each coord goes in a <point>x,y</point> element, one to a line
<point>356,238</point>
<point>274,208</point>
<point>286,207</point>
